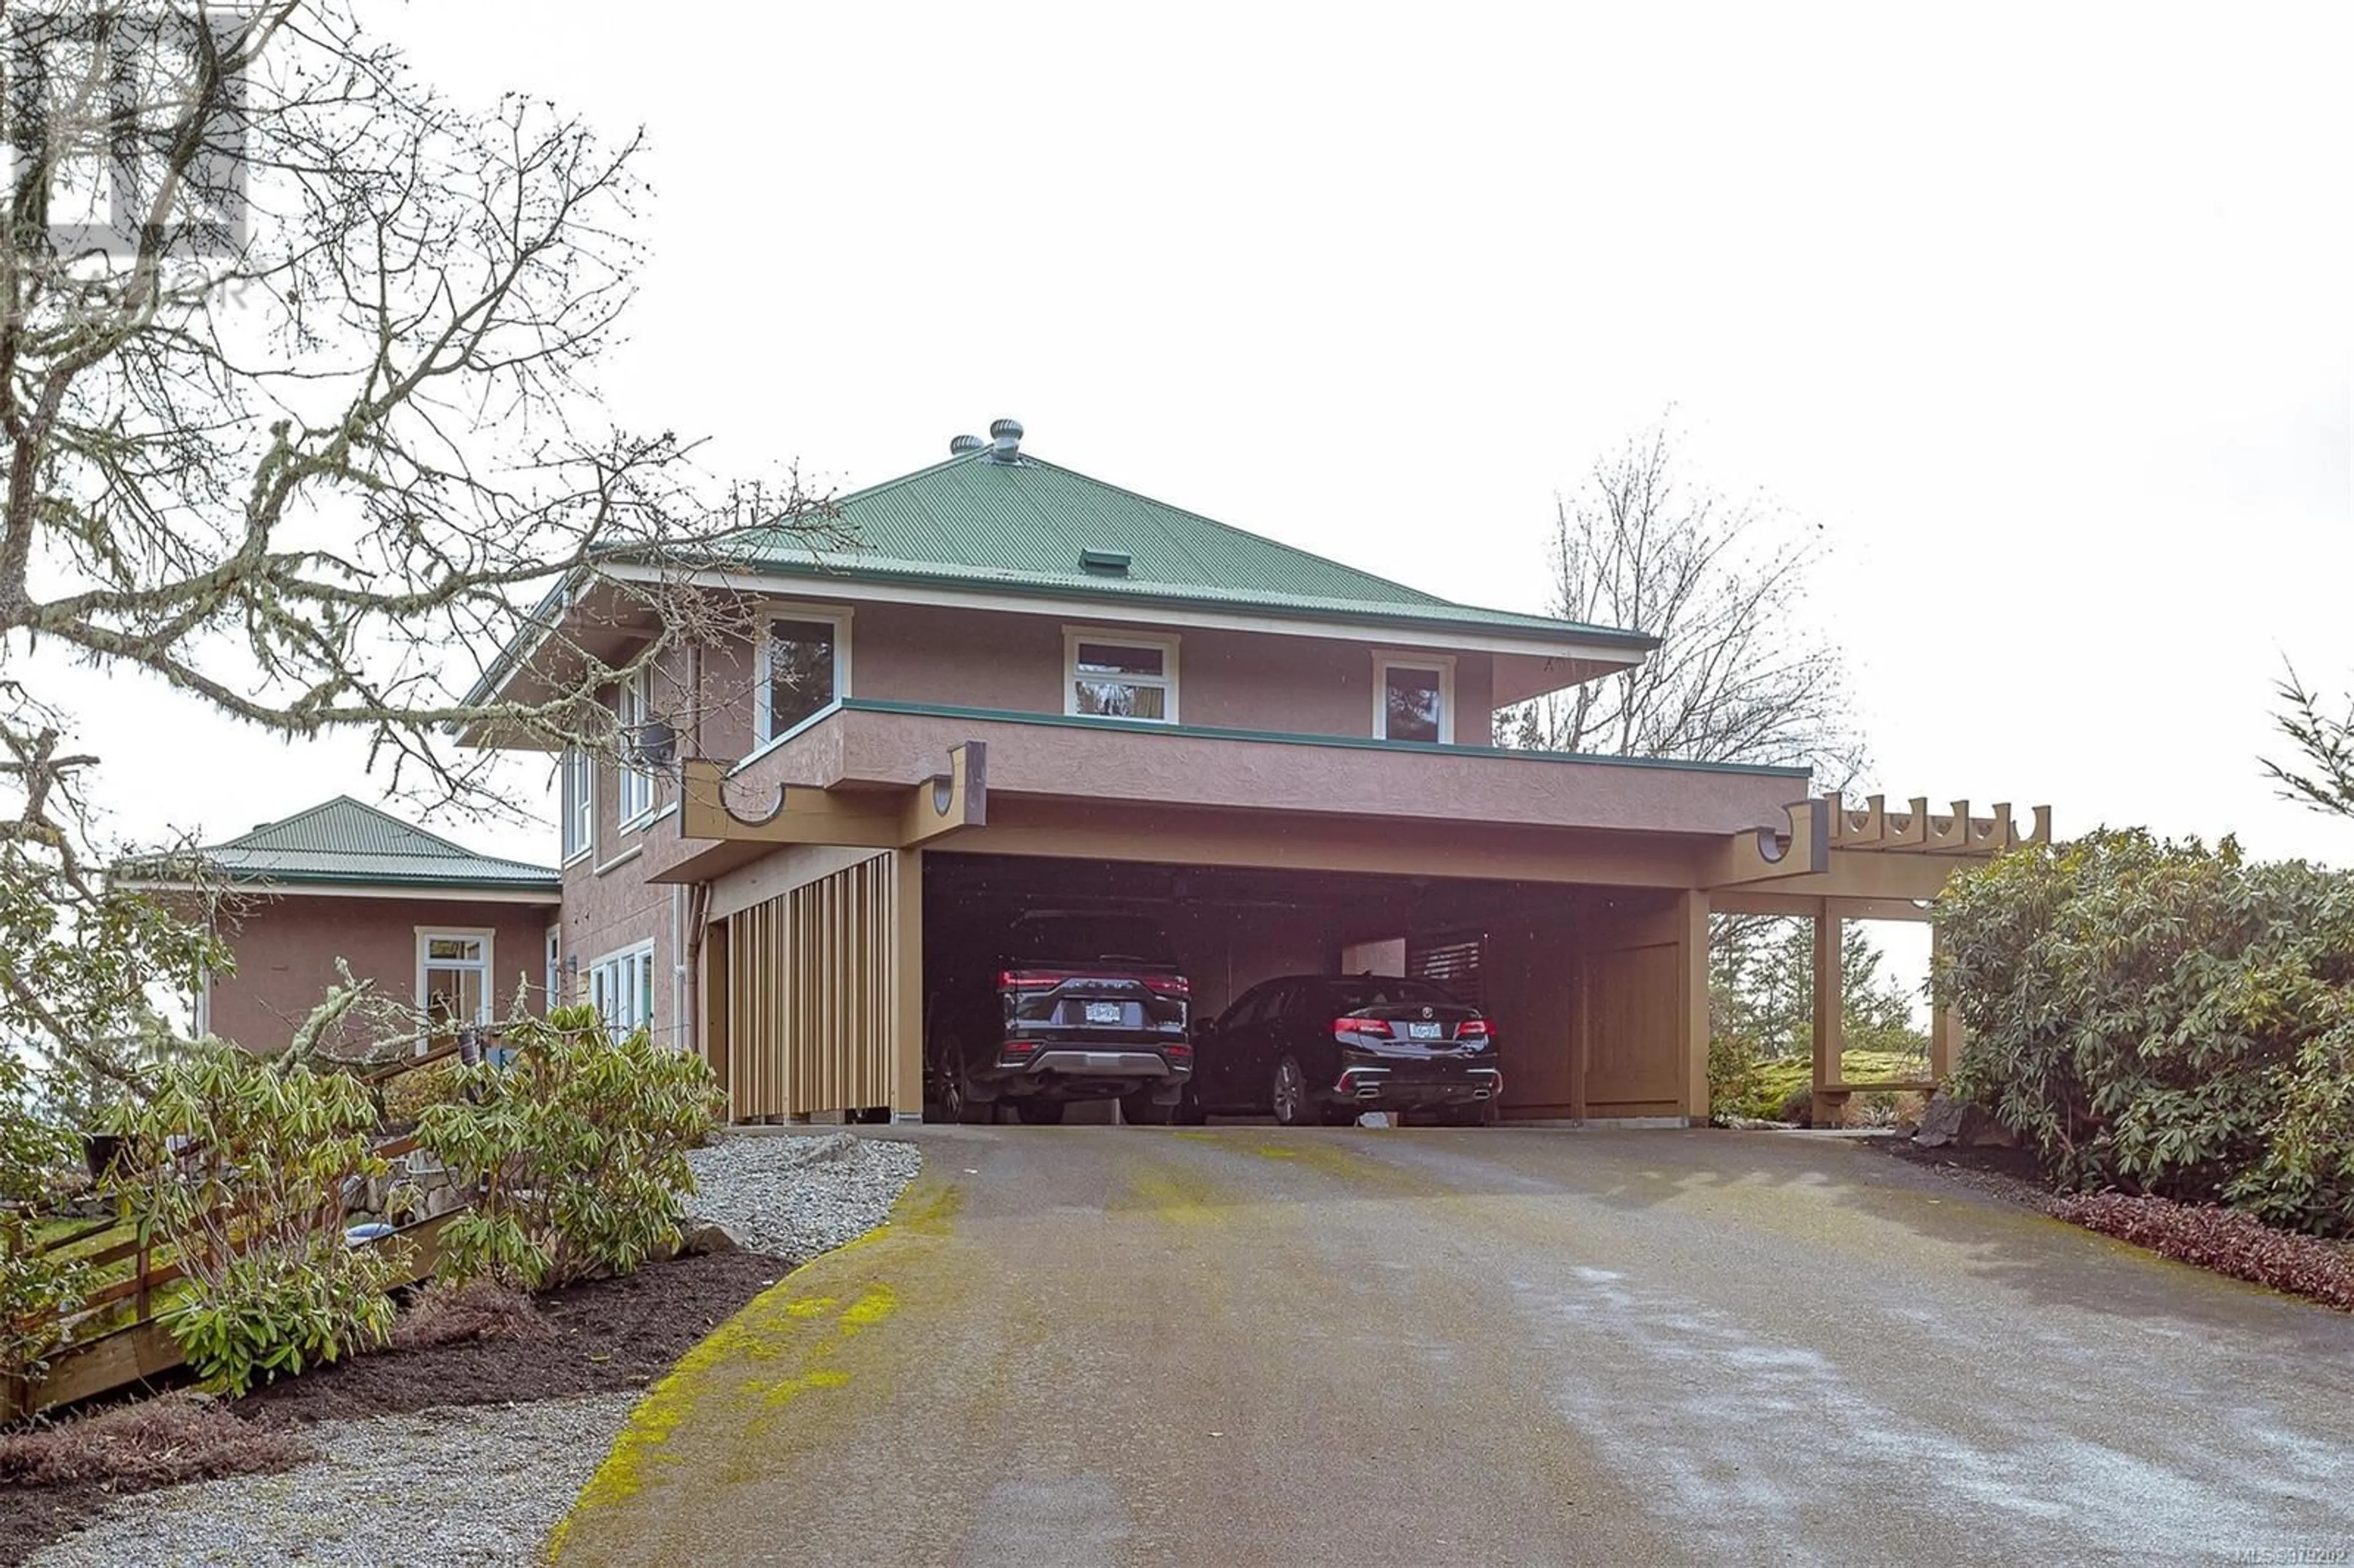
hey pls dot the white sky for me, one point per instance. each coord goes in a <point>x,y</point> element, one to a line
<point>2042,316</point>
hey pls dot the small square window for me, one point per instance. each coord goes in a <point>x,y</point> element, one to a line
<point>801,671</point>
<point>1129,679</point>
<point>1413,700</point>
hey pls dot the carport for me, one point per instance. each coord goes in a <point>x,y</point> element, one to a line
<point>1574,892</point>
<point>1535,957</point>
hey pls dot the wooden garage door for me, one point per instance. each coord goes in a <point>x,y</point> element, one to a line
<point>1632,1000</point>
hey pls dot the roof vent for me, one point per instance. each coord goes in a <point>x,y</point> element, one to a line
<point>1111,561</point>
<point>1005,434</point>
<point>963,444</point>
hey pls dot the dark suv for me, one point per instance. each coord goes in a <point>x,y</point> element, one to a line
<point>1312,1048</point>
<point>1071,1005</point>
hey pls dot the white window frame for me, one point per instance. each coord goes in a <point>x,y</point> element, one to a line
<point>554,994</point>
<point>764,735</point>
<point>1167,681</point>
<point>577,804</point>
<point>625,974</point>
<point>1440,664</point>
<point>634,707</point>
<point>428,935</point>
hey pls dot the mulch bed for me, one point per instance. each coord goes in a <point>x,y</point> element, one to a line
<point>2010,1173</point>
<point>607,1335</point>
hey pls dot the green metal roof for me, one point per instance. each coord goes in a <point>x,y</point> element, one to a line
<point>1026,525</point>
<point>347,842</point>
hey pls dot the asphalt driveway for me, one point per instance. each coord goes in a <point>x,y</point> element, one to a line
<point>1107,1345</point>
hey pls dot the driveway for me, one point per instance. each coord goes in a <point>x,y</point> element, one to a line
<point>1106,1345</point>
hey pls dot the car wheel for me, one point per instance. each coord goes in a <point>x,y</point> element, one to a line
<point>1137,1109</point>
<point>1288,1097</point>
<point>1188,1111</point>
<point>1039,1113</point>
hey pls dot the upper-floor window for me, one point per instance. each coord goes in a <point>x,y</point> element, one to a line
<point>1414,699</point>
<point>803,672</point>
<point>1107,676</point>
<point>578,804</point>
<point>633,791</point>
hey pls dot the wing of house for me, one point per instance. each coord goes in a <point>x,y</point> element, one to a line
<point>998,684</point>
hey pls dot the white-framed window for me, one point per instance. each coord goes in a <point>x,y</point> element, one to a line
<point>1414,697</point>
<point>553,998</point>
<point>802,669</point>
<point>1109,674</point>
<point>453,977</point>
<point>621,988</point>
<point>633,792</point>
<point>578,805</point>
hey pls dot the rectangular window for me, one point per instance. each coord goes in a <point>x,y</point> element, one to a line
<point>1414,700</point>
<point>804,669</point>
<point>1110,677</point>
<point>621,988</point>
<point>578,806</point>
<point>453,979</point>
<point>552,997</point>
<point>634,792</point>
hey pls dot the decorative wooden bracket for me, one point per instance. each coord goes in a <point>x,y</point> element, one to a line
<point>956,799</point>
<point>794,814</point>
<point>1762,854</point>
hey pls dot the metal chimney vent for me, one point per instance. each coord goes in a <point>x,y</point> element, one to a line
<point>1005,434</point>
<point>963,444</point>
<point>1113,562</point>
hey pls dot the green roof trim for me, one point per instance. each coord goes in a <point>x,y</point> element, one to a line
<point>346,842</point>
<point>977,521</point>
<point>1340,742</point>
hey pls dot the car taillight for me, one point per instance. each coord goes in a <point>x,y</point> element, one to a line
<point>1379,1028</point>
<point>1168,985</point>
<point>1177,1048</point>
<point>1020,1047</point>
<point>1029,980</point>
<point>1471,1029</point>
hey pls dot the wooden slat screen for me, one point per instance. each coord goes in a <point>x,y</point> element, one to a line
<point>809,1015</point>
<point>1451,963</point>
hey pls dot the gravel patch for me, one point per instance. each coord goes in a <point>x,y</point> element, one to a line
<point>793,1197</point>
<point>439,1488</point>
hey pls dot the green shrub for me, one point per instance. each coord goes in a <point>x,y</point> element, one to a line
<point>237,1165</point>
<point>2165,1018</point>
<point>1732,1078</point>
<point>37,1288</point>
<point>579,1147</point>
<point>1797,1106</point>
<point>406,1095</point>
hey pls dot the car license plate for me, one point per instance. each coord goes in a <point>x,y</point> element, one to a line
<point>1106,1012</point>
<point>1426,1030</point>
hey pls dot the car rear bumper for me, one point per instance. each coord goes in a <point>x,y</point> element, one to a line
<point>1102,1063</point>
<point>1410,1088</point>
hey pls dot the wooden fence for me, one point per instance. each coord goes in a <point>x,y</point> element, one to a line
<point>143,1347</point>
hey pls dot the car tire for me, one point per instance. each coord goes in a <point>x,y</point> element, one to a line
<point>1138,1108</point>
<point>1288,1095</point>
<point>1040,1113</point>
<point>1188,1111</point>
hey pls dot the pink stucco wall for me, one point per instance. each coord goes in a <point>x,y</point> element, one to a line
<point>286,949</point>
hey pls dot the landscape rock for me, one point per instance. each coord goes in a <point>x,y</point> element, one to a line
<point>699,1239</point>
<point>1949,1120</point>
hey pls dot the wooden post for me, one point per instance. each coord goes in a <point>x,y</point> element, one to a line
<point>1692,931</point>
<point>907,985</point>
<point>1828,1019</point>
<point>1944,1022</point>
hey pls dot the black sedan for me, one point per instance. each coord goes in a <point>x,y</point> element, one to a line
<point>1326,1048</point>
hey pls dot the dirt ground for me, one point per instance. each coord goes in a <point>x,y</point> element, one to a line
<point>608,1336</point>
